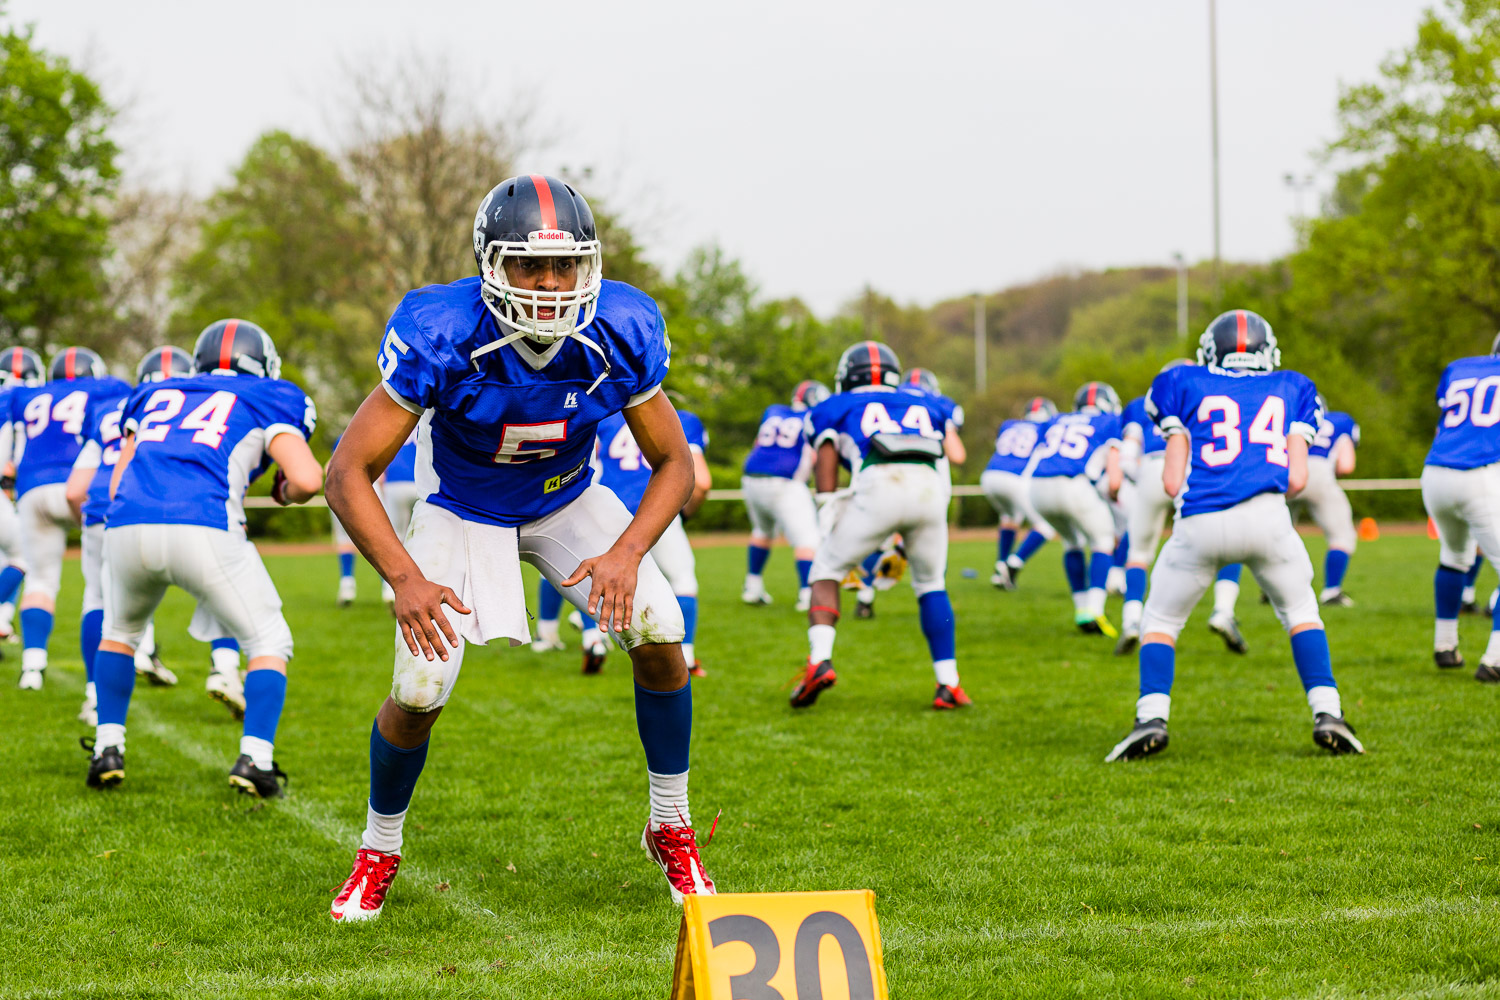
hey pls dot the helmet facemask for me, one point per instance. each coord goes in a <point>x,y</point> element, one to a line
<point>518,308</point>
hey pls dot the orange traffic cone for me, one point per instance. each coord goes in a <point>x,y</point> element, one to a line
<point>1431,529</point>
<point>1369,531</point>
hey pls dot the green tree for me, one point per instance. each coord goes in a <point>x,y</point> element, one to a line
<point>57,170</point>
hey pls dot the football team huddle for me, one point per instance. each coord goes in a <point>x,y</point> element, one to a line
<point>521,417</point>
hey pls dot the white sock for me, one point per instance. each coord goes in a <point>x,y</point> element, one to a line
<point>33,659</point>
<point>1324,699</point>
<point>1445,635</point>
<point>1081,602</point>
<point>258,750</point>
<point>804,594</point>
<point>1097,596</point>
<point>1015,562</point>
<point>548,631</point>
<point>225,661</point>
<point>865,595</point>
<point>1153,706</point>
<point>946,671</point>
<point>109,734</point>
<point>1492,651</point>
<point>593,637</point>
<point>669,801</point>
<point>1130,615</point>
<point>382,833</point>
<point>1226,593</point>
<point>89,694</point>
<point>7,612</point>
<point>387,593</point>
<point>755,584</point>
<point>687,653</point>
<point>820,643</point>
<point>148,640</point>
<point>1468,597</point>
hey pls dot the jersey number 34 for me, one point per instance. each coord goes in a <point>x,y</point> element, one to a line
<point>1268,428</point>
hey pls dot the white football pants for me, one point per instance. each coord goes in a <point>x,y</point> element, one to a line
<point>1465,506</point>
<point>908,497</point>
<point>1327,503</point>
<point>1010,495</point>
<point>780,506</point>
<point>1073,506</point>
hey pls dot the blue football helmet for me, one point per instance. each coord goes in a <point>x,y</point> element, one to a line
<point>1241,340</point>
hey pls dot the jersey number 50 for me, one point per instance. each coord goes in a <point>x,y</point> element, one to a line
<point>1268,428</point>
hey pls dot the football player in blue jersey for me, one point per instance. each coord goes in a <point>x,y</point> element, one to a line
<point>398,493</point>
<point>1330,456</point>
<point>1237,433</point>
<point>50,420</point>
<point>1073,475</point>
<point>884,568</point>
<point>890,438</point>
<point>776,494</point>
<point>1461,490</point>
<point>1004,485</point>
<point>506,376</point>
<point>19,367</point>
<point>176,517</point>
<point>1143,450</point>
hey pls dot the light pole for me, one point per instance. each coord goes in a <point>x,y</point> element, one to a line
<point>1213,97</point>
<point>980,347</point>
<point>1181,295</point>
<point>1298,186</point>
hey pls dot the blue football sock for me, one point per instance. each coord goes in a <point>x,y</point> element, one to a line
<point>689,606</point>
<point>868,566</point>
<point>225,644</point>
<point>1135,583</point>
<point>548,600</point>
<point>346,564</point>
<point>10,582</point>
<point>1073,565</point>
<point>1335,565</point>
<point>1230,572</point>
<point>1158,665</point>
<point>757,559</point>
<point>114,680</point>
<point>393,773</point>
<point>936,613</point>
<point>90,631</point>
<point>804,568</point>
<point>665,721</point>
<point>1314,664</point>
<point>265,694</point>
<point>36,628</point>
<point>1030,544</point>
<point>1122,550</point>
<point>1469,577</point>
<point>1447,589</point>
<point>1100,564</point>
<point>1007,542</point>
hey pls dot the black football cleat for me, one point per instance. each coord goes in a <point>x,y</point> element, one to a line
<point>1335,735</point>
<point>1486,674</point>
<point>1130,638</point>
<point>1335,598</point>
<point>949,697</point>
<point>863,610</point>
<point>1227,627</point>
<point>251,780</point>
<point>106,767</point>
<point>819,677</point>
<point>1148,737</point>
<point>1469,608</point>
<point>1447,659</point>
<point>593,658</point>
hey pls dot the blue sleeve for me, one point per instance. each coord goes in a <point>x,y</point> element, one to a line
<point>1164,401</point>
<point>130,416</point>
<point>819,422</point>
<point>693,428</point>
<point>1109,428</point>
<point>411,369</point>
<point>655,358</point>
<point>285,405</point>
<point>955,413</point>
<point>1304,416</point>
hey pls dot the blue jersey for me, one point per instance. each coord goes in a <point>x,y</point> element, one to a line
<point>55,418</point>
<point>1014,443</point>
<point>1469,396</point>
<point>512,431</point>
<point>100,452</point>
<point>403,468</point>
<point>779,447</point>
<point>1076,444</point>
<point>1331,429</point>
<point>853,420</point>
<point>1135,415</point>
<point>1237,424</point>
<point>623,468</point>
<point>199,442</point>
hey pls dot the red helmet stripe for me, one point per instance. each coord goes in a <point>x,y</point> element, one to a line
<point>544,200</point>
<point>1242,326</point>
<point>874,362</point>
<point>68,362</point>
<point>226,344</point>
<point>166,362</point>
<point>16,357</point>
<point>1093,391</point>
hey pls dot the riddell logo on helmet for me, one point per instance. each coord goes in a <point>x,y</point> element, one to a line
<point>544,237</point>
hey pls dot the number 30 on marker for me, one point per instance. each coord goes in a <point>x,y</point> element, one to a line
<point>779,946</point>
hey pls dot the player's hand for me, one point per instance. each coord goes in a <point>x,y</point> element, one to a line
<point>278,488</point>
<point>420,617</point>
<point>612,596</point>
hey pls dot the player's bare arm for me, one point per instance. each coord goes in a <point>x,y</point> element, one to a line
<point>78,490</point>
<point>1114,473</point>
<point>826,468</point>
<point>1174,465</point>
<point>1343,457</point>
<point>1296,464</point>
<point>953,447</point>
<point>299,477</point>
<point>127,452</point>
<point>702,482</point>
<point>658,433</point>
<point>379,428</point>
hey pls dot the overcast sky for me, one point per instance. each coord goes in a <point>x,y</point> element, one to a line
<point>928,148</point>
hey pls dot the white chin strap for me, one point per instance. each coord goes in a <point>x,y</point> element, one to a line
<point>518,333</point>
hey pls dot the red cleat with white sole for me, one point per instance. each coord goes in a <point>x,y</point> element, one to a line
<point>675,849</point>
<point>363,895</point>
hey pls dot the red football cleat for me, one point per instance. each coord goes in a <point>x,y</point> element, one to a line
<point>819,677</point>
<point>950,696</point>
<point>697,670</point>
<point>363,895</point>
<point>675,849</point>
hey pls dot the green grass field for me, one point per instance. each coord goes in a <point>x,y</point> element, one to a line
<point>1007,859</point>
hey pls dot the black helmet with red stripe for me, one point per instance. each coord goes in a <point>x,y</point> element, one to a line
<point>1239,339</point>
<point>1494,345</point>
<point>164,362</point>
<point>921,378</point>
<point>809,393</point>
<point>77,362</point>
<point>20,366</point>
<point>1039,410</point>
<point>1096,397</point>
<point>525,218</point>
<point>868,362</point>
<point>236,347</point>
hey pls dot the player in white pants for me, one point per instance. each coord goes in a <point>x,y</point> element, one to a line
<point>13,572</point>
<point>399,499</point>
<point>1332,456</point>
<point>784,507</point>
